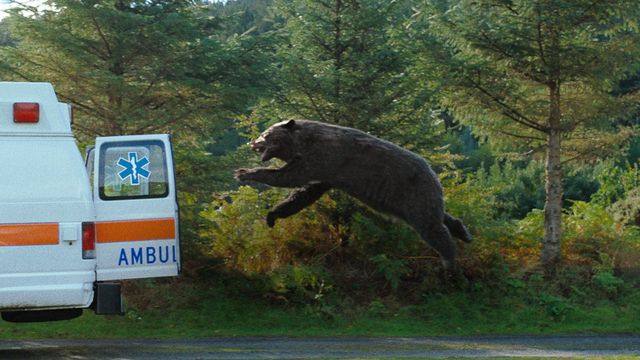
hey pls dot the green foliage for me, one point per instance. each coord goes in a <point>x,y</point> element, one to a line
<point>518,187</point>
<point>518,190</point>
<point>377,309</point>
<point>391,269</point>
<point>495,249</point>
<point>463,199</point>
<point>341,62</point>
<point>463,142</point>
<point>304,255</point>
<point>579,183</point>
<point>516,73</point>
<point>627,210</point>
<point>614,182</point>
<point>459,82</point>
<point>592,238</point>
<point>245,16</point>
<point>213,307</point>
<point>494,63</point>
<point>608,284</point>
<point>132,67</point>
<point>198,174</point>
<point>239,235</point>
<point>305,284</point>
<point>555,306</point>
<point>123,64</point>
<point>371,233</point>
<point>5,35</point>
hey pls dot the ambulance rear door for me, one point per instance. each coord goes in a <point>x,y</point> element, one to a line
<point>136,207</point>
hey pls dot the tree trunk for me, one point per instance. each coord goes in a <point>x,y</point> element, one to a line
<point>553,186</point>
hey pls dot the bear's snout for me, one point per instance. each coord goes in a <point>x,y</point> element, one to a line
<point>258,145</point>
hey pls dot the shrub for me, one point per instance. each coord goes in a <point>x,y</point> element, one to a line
<point>239,235</point>
<point>518,188</point>
<point>591,237</point>
<point>627,209</point>
<point>340,248</point>
<point>392,269</point>
<point>615,182</point>
<point>607,283</point>
<point>300,283</point>
<point>484,258</point>
<point>556,307</point>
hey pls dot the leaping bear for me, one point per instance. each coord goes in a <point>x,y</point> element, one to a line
<point>382,175</point>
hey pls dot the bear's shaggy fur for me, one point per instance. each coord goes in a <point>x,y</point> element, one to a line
<point>383,175</point>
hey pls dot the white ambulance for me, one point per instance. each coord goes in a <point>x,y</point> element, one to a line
<point>70,228</point>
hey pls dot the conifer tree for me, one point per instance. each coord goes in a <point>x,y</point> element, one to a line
<point>127,66</point>
<point>537,75</point>
<point>342,63</point>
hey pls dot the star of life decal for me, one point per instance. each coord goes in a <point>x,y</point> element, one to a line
<point>133,168</point>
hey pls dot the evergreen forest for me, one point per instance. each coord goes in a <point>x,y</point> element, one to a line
<point>528,111</point>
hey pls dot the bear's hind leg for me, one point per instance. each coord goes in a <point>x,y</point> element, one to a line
<point>438,236</point>
<point>457,228</point>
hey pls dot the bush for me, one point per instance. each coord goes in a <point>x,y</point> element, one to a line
<point>519,188</point>
<point>627,209</point>
<point>607,284</point>
<point>516,189</point>
<point>339,248</point>
<point>591,237</point>
<point>556,307</point>
<point>483,259</point>
<point>300,283</point>
<point>392,269</point>
<point>286,253</point>
<point>615,182</point>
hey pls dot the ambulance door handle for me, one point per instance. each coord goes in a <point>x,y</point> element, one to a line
<point>69,233</point>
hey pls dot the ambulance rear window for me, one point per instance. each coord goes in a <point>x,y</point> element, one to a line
<point>133,171</point>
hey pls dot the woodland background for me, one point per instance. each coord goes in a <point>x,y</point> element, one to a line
<point>527,110</point>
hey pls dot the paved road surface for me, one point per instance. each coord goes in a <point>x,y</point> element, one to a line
<point>323,348</point>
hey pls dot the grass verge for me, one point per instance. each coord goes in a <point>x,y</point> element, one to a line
<point>184,310</point>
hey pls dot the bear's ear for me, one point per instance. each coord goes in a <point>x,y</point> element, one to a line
<point>289,125</point>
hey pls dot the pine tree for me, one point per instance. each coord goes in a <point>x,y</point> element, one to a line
<point>127,66</point>
<point>341,62</point>
<point>538,75</point>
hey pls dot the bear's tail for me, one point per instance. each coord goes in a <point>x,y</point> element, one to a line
<point>457,228</point>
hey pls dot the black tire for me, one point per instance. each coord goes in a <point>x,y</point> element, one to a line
<point>41,315</point>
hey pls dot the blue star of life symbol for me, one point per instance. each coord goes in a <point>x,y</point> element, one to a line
<point>133,168</point>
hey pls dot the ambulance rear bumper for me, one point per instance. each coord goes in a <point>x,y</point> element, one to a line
<point>31,291</point>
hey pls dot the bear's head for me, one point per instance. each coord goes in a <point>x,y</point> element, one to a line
<point>278,141</point>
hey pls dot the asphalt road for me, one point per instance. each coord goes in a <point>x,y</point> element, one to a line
<point>324,348</point>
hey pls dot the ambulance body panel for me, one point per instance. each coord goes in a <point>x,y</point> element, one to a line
<point>64,240</point>
<point>44,199</point>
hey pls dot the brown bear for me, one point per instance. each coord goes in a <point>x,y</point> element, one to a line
<point>384,176</point>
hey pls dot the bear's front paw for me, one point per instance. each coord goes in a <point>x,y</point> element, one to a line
<point>243,174</point>
<point>271,219</point>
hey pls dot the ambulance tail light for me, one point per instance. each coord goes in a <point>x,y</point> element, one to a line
<point>24,112</point>
<point>88,240</point>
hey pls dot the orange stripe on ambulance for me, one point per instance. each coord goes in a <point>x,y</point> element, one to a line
<point>135,230</point>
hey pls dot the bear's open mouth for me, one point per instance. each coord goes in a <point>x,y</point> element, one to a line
<point>258,147</point>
